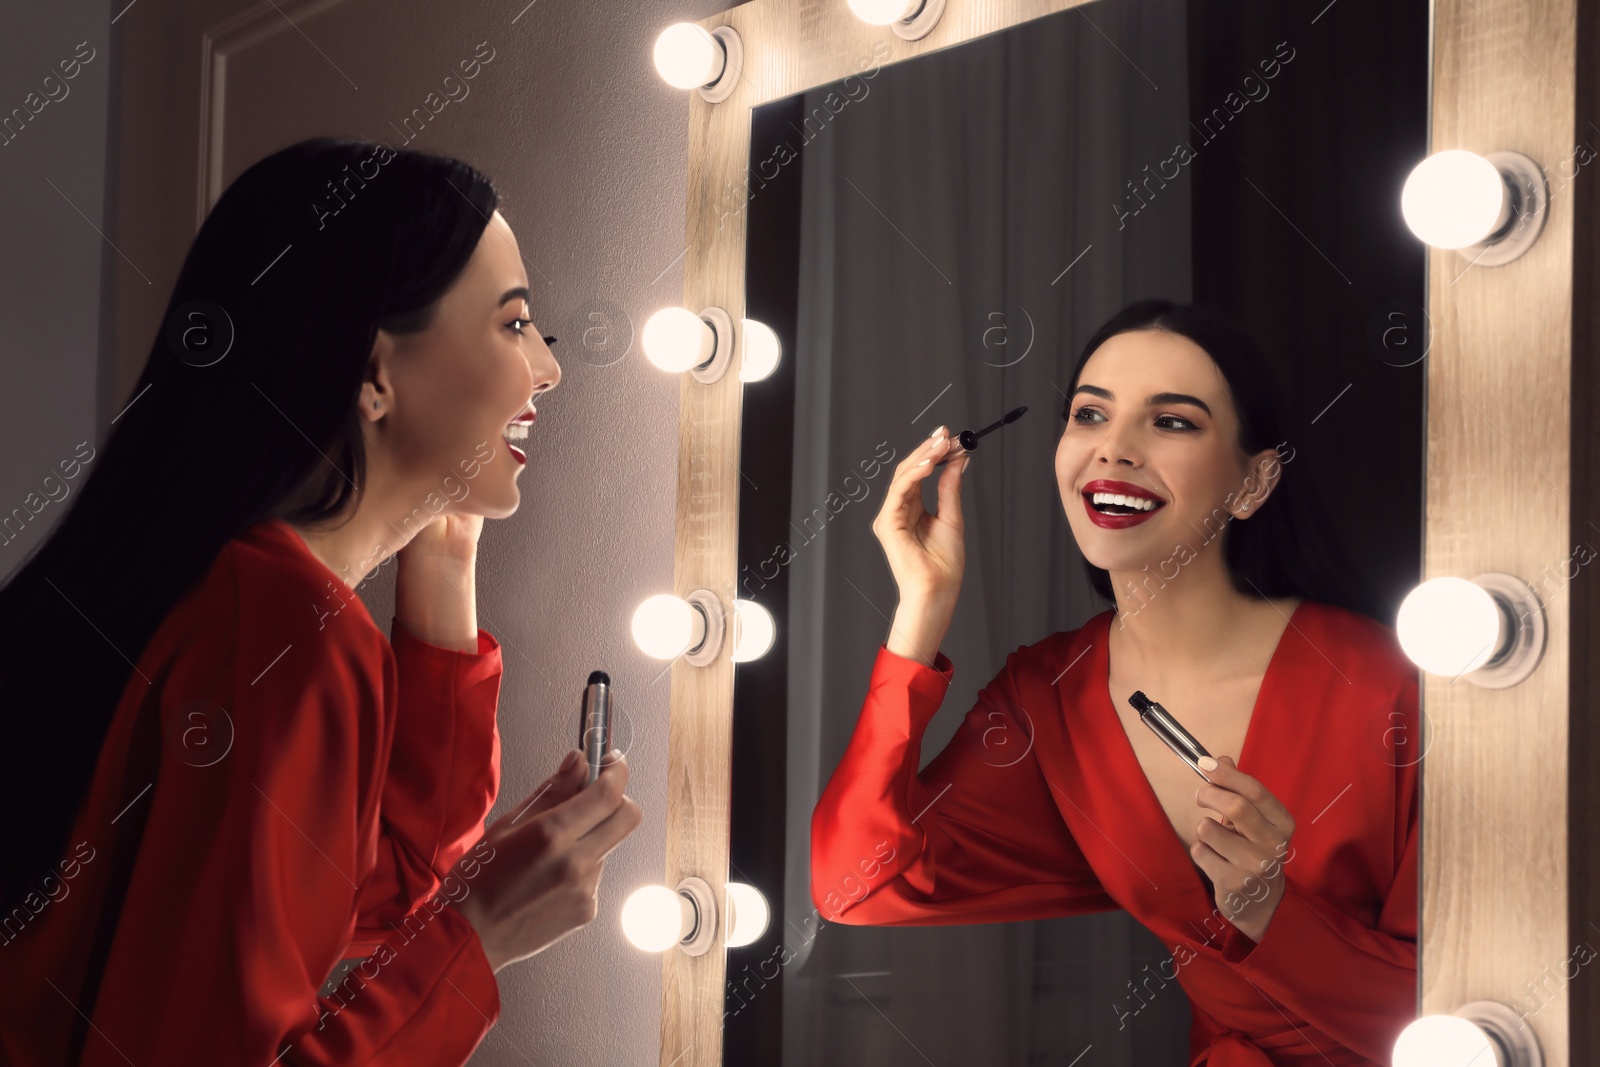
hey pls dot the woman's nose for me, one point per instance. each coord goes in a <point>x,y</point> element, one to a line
<point>546,373</point>
<point>1114,448</point>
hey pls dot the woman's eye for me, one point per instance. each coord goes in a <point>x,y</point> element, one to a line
<point>515,325</point>
<point>1079,417</point>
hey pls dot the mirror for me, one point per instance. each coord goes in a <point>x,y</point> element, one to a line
<point>934,241</point>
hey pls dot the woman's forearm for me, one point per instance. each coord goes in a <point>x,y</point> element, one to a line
<point>435,598</point>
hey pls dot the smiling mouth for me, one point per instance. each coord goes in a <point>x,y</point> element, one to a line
<point>1114,507</point>
<point>517,430</point>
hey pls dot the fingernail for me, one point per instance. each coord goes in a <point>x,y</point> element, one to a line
<point>1207,763</point>
<point>924,463</point>
<point>966,462</point>
<point>571,761</point>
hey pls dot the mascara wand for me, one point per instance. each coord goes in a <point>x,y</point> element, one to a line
<point>969,438</point>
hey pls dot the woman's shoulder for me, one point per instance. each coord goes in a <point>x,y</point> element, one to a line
<point>260,637</point>
<point>1049,656</point>
<point>1357,645</point>
<point>264,587</point>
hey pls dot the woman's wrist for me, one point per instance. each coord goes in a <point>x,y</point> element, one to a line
<point>436,601</point>
<point>919,627</point>
<point>485,942</point>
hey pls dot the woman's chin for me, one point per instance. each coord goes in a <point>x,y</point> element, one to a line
<point>502,511</point>
<point>498,508</point>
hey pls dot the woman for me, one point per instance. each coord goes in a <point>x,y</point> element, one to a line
<point>1054,799</point>
<point>220,776</point>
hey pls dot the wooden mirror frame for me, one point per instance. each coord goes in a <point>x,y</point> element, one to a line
<point>1499,872</point>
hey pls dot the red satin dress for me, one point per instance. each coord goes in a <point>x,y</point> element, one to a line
<point>303,788</point>
<point>1039,808</point>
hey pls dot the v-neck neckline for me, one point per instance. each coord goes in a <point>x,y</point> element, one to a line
<point>1148,798</point>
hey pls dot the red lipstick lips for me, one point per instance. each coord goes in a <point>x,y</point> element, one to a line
<point>1117,522</point>
<point>525,419</point>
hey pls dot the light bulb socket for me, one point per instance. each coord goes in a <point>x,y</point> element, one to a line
<point>1523,632</point>
<point>722,340</point>
<point>721,87</point>
<point>698,941</point>
<point>710,608</point>
<point>1529,198</point>
<point>1514,1040</point>
<point>920,22</point>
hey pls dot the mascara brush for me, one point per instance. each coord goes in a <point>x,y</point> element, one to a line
<point>969,438</point>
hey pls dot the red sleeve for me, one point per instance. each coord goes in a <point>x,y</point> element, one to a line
<point>975,837</point>
<point>443,777</point>
<point>1363,990</point>
<point>246,888</point>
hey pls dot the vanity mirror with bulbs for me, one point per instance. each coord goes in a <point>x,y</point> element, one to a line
<point>908,215</point>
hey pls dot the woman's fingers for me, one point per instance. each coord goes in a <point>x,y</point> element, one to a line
<point>567,780</point>
<point>903,498</point>
<point>590,805</point>
<point>600,842</point>
<point>924,459</point>
<point>1266,805</point>
<point>1245,805</point>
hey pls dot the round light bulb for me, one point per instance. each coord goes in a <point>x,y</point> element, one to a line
<point>1443,1041</point>
<point>1449,626</point>
<point>761,350</point>
<point>1454,199</point>
<point>666,626</point>
<point>883,12</point>
<point>654,918</point>
<point>676,339</point>
<point>687,56</point>
<point>747,914</point>
<point>753,631</point>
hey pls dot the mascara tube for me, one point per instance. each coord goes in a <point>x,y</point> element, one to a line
<point>1169,730</point>
<point>594,722</point>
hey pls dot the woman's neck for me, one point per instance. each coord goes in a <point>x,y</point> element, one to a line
<point>1195,632</point>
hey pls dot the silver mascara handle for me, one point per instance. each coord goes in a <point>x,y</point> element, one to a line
<point>595,723</point>
<point>1167,728</point>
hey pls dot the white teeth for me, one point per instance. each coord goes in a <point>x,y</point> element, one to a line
<point>1142,503</point>
<point>517,431</point>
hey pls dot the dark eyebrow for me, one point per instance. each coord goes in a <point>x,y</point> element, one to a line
<point>521,290</point>
<point>1154,400</point>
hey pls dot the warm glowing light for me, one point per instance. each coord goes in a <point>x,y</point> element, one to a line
<point>666,626</point>
<point>883,12</point>
<point>748,914</point>
<point>761,348</point>
<point>1443,1041</point>
<point>654,918</point>
<point>676,339</point>
<point>1454,199</point>
<point>1449,626</point>
<point>687,56</point>
<point>753,631</point>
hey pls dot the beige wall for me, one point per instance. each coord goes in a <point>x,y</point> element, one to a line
<point>52,203</point>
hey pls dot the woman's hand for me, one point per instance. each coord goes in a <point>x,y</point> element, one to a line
<point>435,585</point>
<point>540,882</point>
<point>1244,859</point>
<point>925,551</point>
<point>451,536</point>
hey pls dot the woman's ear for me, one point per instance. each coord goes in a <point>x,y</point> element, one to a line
<point>377,388</point>
<point>1266,468</point>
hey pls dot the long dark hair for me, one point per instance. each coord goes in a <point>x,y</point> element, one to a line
<point>1289,549</point>
<point>246,410</point>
